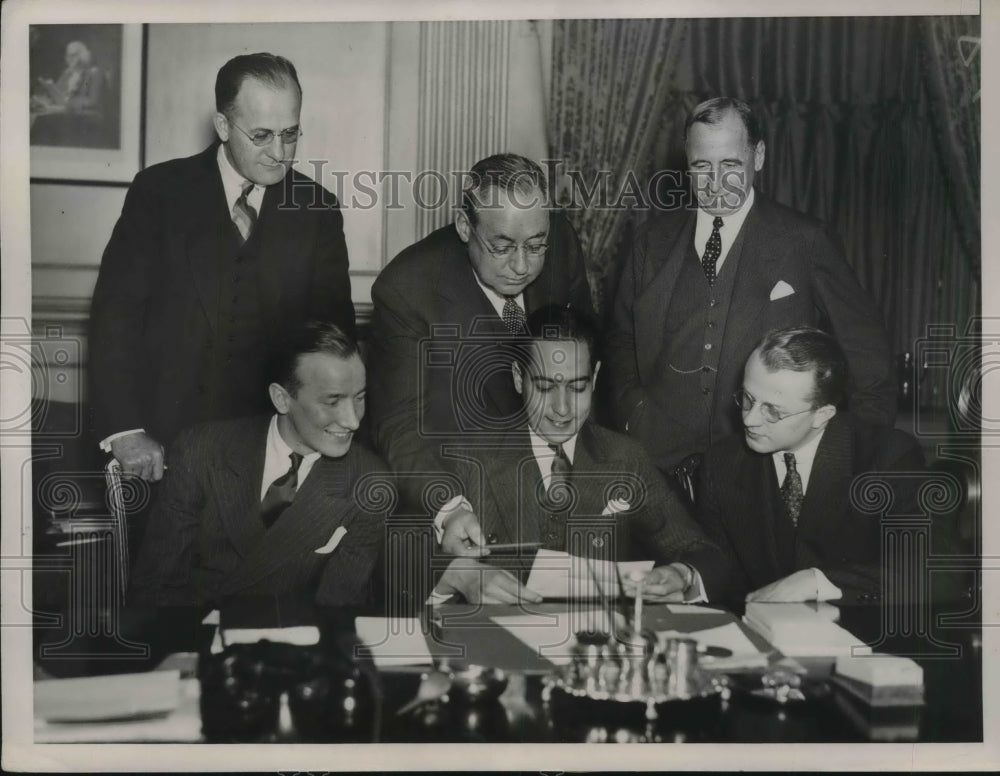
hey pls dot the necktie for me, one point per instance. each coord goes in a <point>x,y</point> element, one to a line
<point>280,493</point>
<point>244,214</point>
<point>513,316</point>
<point>791,490</point>
<point>713,249</point>
<point>559,497</point>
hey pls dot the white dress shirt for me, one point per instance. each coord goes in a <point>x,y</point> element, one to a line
<point>496,300</point>
<point>731,226</point>
<point>277,461</point>
<point>804,458</point>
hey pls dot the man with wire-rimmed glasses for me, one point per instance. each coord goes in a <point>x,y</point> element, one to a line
<point>444,309</point>
<point>777,497</point>
<point>213,259</point>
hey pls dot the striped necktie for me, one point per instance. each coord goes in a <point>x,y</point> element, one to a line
<point>244,214</point>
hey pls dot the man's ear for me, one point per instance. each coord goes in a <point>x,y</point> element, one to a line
<point>823,416</point>
<point>279,397</point>
<point>221,124</point>
<point>515,369</point>
<point>593,380</point>
<point>463,226</point>
<point>758,156</point>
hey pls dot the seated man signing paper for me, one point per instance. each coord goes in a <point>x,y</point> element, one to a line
<point>561,482</point>
<point>270,505</point>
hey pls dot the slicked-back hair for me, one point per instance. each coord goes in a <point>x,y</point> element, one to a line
<point>804,349</point>
<point>271,69</point>
<point>510,173</point>
<point>312,337</point>
<point>715,110</point>
<point>561,322</point>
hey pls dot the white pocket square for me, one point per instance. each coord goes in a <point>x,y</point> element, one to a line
<point>781,290</point>
<point>615,506</point>
<point>331,545</point>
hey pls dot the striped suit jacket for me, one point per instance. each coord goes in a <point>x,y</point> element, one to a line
<point>205,541</point>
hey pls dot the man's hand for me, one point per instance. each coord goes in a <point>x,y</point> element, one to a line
<point>666,583</point>
<point>800,586</point>
<point>139,454</point>
<point>463,535</point>
<point>480,583</point>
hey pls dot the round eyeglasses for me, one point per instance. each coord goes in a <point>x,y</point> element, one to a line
<point>745,401</point>
<point>263,137</point>
<point>534,250</point>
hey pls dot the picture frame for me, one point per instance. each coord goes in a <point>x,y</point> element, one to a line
<point>86,103</point>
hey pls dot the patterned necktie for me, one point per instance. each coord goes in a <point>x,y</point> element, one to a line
<point>713,249</point>
<point>280,493</point>
<point>244,214</point>
<point>791,490</point>
<point>513,316</point>
<point>558,497</point>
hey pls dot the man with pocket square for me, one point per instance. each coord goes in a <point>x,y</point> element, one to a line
<point>272,505</point>
<point>703,286</point>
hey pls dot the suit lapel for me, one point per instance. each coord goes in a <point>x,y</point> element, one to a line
<point>755,482</point>
<point>653,303</point>
<point>512,481</point>
<point>751,287</point>
<point>278,241</point>
<point>209,238</point>
<point>827,490</point>
<point>320,505</point>
<point>239,485</point>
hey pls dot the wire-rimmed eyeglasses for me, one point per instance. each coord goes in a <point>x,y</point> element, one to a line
<point>264,137</point>
<point>534,250</point>
<point>745,401</point>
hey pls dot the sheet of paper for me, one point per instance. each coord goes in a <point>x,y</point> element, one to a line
<point>394,642</point>
<point>212,618</point>
<point>300,635</point>
<point>691,609</point>
<point>118,696</point>
<point>561,575</point>
<point>799,630</point>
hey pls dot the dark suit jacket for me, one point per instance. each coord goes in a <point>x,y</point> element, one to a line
<point>739,505</point>
<point>154,339</point>
<point>778,244</point>
<point>436,365</point>
<point>503,483</point>
<point>205,541</point>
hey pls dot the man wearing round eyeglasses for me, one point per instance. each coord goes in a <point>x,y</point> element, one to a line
<point>444,309</point>
<point>778,498</point>
<point>214,259</point>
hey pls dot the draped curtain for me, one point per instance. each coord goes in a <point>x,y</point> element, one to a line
<point>611,81</point>
<point>871,124</point>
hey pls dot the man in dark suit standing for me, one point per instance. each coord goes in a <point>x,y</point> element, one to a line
<point>564,482</point>
<point>443,309</point>
<point>778,498</point>
<point>213,259</point>
<point>702,287</point>
<point>270,505</point>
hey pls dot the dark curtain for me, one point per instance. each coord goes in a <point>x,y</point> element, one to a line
<point>611,82</point>
<point>870,124</point>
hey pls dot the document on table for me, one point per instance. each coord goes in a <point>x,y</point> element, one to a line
<point>561,575</point>
<point>397,641</point>
<point>799,630</point>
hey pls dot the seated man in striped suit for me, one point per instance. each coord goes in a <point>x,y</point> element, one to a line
<point>269,505</point>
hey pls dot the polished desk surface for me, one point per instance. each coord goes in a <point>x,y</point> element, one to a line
<point>951,660</point>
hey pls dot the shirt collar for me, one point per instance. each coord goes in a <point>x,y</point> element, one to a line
<point>277,447</point>
<point>232,181</point>
<point>804,456</point>
<point>733,222</point>
<point>496,300</point>
<point>541,448</point>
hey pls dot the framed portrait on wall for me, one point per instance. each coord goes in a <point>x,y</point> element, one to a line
<point>85,101</point>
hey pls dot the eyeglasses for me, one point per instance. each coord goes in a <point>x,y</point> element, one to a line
<point>263,137</point>
<point>745,401</point>
<point>507,252</point>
